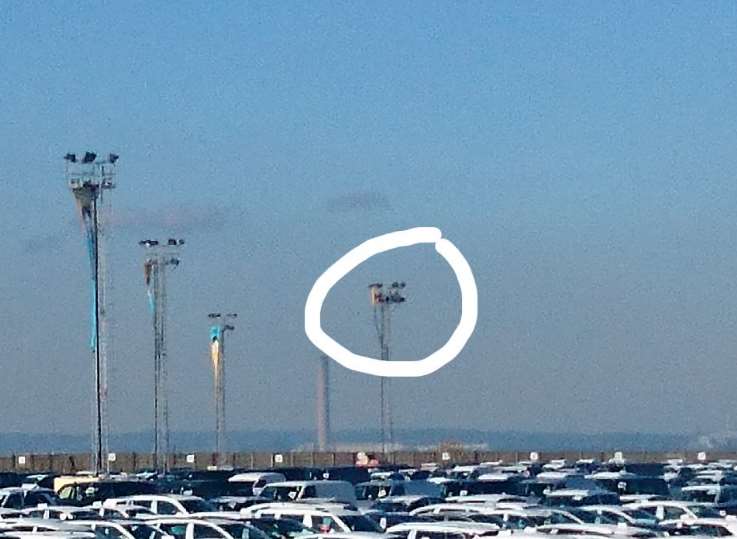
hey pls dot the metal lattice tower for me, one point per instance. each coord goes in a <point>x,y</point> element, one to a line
<point>220,324</point>
<point>160,256</point>
<point>383,300</point>
<point>89,179</point>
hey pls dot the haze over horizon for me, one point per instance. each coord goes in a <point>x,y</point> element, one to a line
<point>581,156</point>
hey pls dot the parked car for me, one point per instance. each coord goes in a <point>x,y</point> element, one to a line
<point>290,491</point>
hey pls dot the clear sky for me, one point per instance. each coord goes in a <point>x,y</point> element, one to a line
<point>580,154</point>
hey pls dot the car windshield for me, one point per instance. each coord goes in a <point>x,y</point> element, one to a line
<point>712,531</point>
<point>79,515</point>
<point>533,520</point>
<point>646,485</point>
<point>389,507</point>
<point>281,528</point>
<point>703,496</point>
<point>372,492</point>
<point>591,517</point>
<point>565,501</point>
<point>360,523</point>
<point>704,511</point>
<point>639,514</point>
<point>197,506</point>
<point>281,494</point>
<point>135,511</point>
<point>143,531</point>
<point>487,519</point>
<point>241,531</point>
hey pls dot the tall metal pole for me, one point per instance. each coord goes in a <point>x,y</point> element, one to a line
<point>386,333</point>
<point>163,370</point>
<point>98,459</point>
<point>88,179</point>
<point>383,301</point>
<point>382,382</point>
<point>220,325</point>
<point>155,268</point>
<point>159,257</point>
<point>322,403</point>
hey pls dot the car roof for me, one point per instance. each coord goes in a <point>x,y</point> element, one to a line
<point>445,525</point>
<point>608,529</point>
<point>336,509</point>
<point>344,535</point>
<point>664,503</point>
<point>253,476</point>
<point>307,482</point>
<point>604,507</point>
<point>178,497</point>
<point>710,486</point>
<point>565,492</point>
<point>404,498</point>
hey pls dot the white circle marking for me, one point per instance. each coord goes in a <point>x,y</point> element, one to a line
<point>376,367</point>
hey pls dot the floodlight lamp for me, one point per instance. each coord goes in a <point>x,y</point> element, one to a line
<point>112,158</point>
<point>89,157</point>
<point>71,157</point>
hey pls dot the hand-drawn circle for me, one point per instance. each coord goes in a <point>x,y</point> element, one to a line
<point>394,240</point>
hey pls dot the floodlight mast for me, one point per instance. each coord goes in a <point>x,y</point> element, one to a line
<point>159,257</point>
<point>220,324</point>
<point>383,300</point>
<point>88,179</point>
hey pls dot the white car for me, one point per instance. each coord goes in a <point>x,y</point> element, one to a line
<point>447,530</point>
<point>39,525</point>
<point>169,504</point>
<point>379,489</point>
<point>20,498</point>
<point>123,529</point>
<point>354,535</point>
<point>600,530</point>
<point>322,518</point>
<point>256,481</point>
<point>6,514</point>
<point>469,471</point>
<point>490,499</point>
<point>455,508</point>
<point>714,527</point>
<point>666,510</point>
<point>579,497</point>
<point>196,528</point>
<point>62,512</point>
<point>124,512</point>
<point>55,534</point>
<point>292,491</point>
<point>614,514</point>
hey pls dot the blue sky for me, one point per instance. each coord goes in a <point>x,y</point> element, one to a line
<point>580,154</point>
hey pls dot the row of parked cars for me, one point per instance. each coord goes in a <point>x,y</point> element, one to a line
<point>614,499</point>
